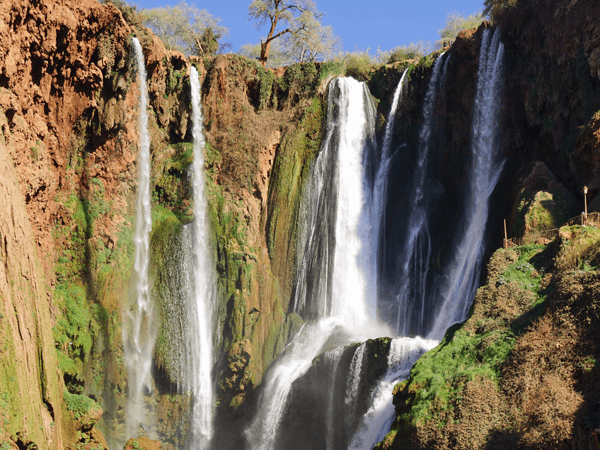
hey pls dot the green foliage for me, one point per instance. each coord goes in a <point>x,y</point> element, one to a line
<point>581,251</point>
<point>523,270</point>
<point>171,187</point>
<point>266,88</point>
<point>455,23</point>
<point>80,405</point>
<point>360,64</point>
<point>438,378</point>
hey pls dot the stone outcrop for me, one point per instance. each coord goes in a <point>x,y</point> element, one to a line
<point>543,202</point>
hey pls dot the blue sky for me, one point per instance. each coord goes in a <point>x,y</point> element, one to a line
<point>360,24</point>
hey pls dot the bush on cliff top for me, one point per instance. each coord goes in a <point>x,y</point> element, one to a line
<point>455,23</point>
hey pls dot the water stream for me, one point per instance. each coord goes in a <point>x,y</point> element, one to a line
<point>338,300</point>
<point>139,330</point>
<point>204,290</point>
<point>415,258</point>
<point>461,279</point>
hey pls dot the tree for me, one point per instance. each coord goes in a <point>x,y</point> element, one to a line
<point>187,29</point>
<point>298,15</point>
<point>313,42</point>
<point>277,55</point>
<point>455,23</point>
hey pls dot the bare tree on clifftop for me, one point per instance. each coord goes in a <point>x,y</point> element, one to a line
<point>301,18</point>
<point>186,28</point>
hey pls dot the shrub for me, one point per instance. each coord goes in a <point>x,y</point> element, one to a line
<point>455,23</point>
<point>404,52</point>
<point>359,64</point>
<point>80,405</point>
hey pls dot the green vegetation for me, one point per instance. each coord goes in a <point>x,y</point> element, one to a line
<point>478,348</point>
<point>360,64</point>
<point>171,185</point>
<point>80,405</point>
<point>404,52</point>
<point>455,23</point>
<point>579,249</point>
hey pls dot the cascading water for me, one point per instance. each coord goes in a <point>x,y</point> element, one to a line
<point>462,278</point>
<point>409,313</point>
<point>338,272</point>
<point>376,423</point>
<point>340,291</point>
<point>379,191</point>
<point>197,378</point>
<point>139,331</point>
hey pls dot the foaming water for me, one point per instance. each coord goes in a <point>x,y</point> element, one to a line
<point>198,378</point>
<point>339,308</point>
<point>404,352</point>
<point>139,328</point>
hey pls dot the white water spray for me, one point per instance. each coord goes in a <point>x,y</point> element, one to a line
<point>198,377</point>
<point>342,315</point>
<point>464,271</point>
<point>404,352</point>
<point>139,331</point>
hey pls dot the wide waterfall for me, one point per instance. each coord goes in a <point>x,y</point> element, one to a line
<point>139,330</point>
<point>342,224</point>
<point>198,376</point>
<point>337,299</point>
<point>336,284</point>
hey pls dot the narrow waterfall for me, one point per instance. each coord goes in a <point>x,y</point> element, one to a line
<point>379,191</point>
<point>139,330</point>
<point>331,287</point>
<point>462,277</point>
<point>416,254</point>
<point>198,370</point>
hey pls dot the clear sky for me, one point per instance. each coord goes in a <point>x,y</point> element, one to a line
<point>360,24</point>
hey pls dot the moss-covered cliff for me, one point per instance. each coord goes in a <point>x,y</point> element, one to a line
<point>521,371</point>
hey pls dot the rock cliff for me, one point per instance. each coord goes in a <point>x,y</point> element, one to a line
<point>68,147</point>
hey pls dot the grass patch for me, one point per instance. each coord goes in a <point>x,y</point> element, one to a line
<point>80,405</point>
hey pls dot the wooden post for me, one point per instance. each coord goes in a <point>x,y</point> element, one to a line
<point>585,189</point>
<point>505,235</point>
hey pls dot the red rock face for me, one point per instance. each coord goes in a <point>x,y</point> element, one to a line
<point>49,73</point>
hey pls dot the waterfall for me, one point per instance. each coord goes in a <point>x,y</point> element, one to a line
<point>379,191</point>
<point>462,277</point>
<point>331,287</point>
<point>376,423</point>
<point>198,379</point>
<point>139,330</point>
<point>416,254</point>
